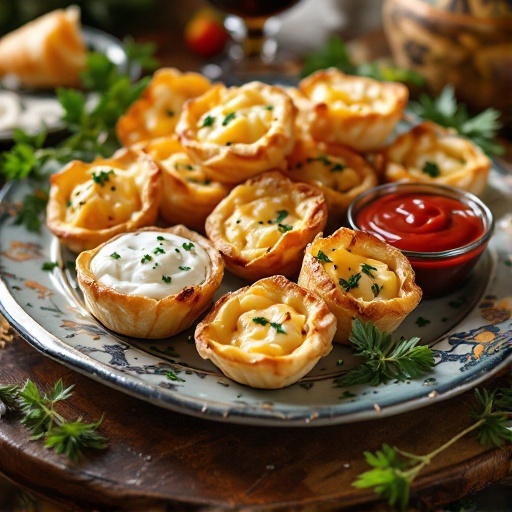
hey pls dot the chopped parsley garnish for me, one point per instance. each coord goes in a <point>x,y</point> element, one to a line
<point>49,265</point>
<point>281,215</point>
<point>188,246</point>
<point>159,250</point>
<point>261,320</point>
<point>146,258</point>
<point>160,238</point>
<point>376,289</point>
<point>228,118</point>
<point>181,267</point>
<point>208,121</point>
<point>322,257</point>
<point>102,177</point>
<point>166,279</point>
<point>351,282</point>
<point>337,167</point>
<point>367,269</point>
<point>432,169</point>
<point>269,107</point>
<point>324,159</point>
<point>283,228</point>
<point>421,322</point>
<point>115,255</point>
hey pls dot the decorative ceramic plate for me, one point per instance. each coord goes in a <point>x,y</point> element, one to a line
<point>469,330</point>
<point>32,110</point>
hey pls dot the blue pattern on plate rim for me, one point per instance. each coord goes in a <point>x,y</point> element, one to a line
<point>470,332</point>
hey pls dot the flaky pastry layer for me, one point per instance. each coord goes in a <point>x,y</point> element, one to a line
<point>359,276</point>
<point>267,335</point>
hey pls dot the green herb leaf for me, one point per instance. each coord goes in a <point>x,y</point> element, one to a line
<point>384,359</point>
<point>432,169</point>
<point>445,111</point>
<point>322,257</point>
<point>351,282</point>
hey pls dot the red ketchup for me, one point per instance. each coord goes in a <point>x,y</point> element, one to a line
<point>429,224</point>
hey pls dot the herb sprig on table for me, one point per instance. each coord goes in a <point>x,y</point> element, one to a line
<point>393,470</point>
<point>90,119</point>
<point>40,416</point>
<point>384,358</point>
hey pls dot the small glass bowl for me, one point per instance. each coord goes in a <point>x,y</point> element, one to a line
<point>441,272</point>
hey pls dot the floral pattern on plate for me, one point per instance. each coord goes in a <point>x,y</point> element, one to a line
<point>469,330</point>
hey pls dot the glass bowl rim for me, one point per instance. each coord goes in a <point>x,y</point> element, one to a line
<point>431,188</point>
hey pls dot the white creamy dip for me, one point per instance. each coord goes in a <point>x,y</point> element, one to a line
<point>151,263</point>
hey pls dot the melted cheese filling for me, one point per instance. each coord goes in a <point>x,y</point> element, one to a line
<point>107,199</point>
<point>445,157</point>
<point>151,264</point>
<point>257,325</point>
<point>352,96</point>
<point>258,225</point>
<point>243,119</point>
<point>373,281</point>
<point>193,175</point>
<point>330,171</point>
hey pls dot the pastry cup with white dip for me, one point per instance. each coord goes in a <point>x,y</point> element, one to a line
<point>267,335</point>
<point>89,203</point>
<point>151,283</point>
<point>360,276</point>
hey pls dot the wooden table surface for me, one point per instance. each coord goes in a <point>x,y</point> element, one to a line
<point>160,458</point>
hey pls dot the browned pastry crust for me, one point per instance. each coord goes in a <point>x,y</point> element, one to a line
<point>156,113</point>
<point>345,251</point>
<point>338,171</point>
<point>355,111</point>
<point>144,317</point>
<point>236,338</point>
<point>188,195</point>
<point>91,202</point>
<point>262,227</point>
<point>47,52</point>
<point>239,132</point>
<point>430,153</point>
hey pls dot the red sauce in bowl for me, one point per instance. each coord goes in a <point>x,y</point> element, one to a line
<point>421,222</point>
<point>441,230</point>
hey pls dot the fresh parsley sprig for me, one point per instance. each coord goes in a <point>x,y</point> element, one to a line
<point>41,417</point>
<point>446,111</point>
<point>393,470</point>
<point>384,358</point>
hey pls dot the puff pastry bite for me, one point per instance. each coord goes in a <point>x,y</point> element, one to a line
<point>267,335</point>
<point>262,227</point>
<point>338,171</point>
<point>188,195</point>
<point>155,114</point>
<point>239,132</point>
<point>430,153</point>
<point>151,283</point>
<point>356,111</point>
<point>46,52</point>
<point>91,202</point>
<point>360,276</point>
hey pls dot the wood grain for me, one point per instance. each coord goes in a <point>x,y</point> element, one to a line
<point>158,457</point>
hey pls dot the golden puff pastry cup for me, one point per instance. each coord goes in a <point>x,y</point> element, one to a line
<point>355,111</point>
<point>156,113</point>
<point>188,195</point>
<point>338,171</point>
<point>91,202</point>
<point>239,132</point>
<point>359,276</point>
<point>150,283</point>
<point>47,52</point>
<point>267,335</point>
<point>430,153</point>
<point>264,224</point>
